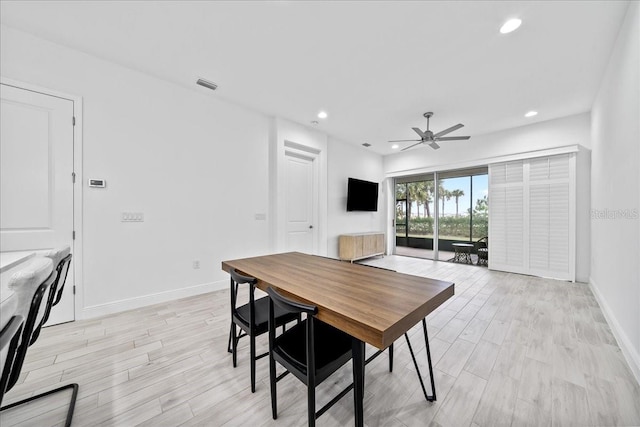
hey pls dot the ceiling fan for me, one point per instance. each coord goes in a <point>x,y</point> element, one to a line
<point>431,139</point>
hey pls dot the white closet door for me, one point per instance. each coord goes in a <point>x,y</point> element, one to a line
<point>506,217</point>
<point>549,217</point>
<point>532,216</point>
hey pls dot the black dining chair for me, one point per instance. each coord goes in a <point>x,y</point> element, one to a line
<point>311,350</point>
<point>252,319</point>
<point>61,260</point>
<point>31,285</point>
<point>482,248</point>
<point>11,324</point>
<point>9,340</point>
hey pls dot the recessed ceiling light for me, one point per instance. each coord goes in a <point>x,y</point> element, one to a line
<point>322,115</point>
<point>531,114</point>
<point>395,146</point>
<point>510,25</point>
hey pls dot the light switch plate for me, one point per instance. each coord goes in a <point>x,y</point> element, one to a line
<point>132,217</point>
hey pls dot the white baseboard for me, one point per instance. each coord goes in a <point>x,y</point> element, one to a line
<point>145,300</point>
<point>629,352</point>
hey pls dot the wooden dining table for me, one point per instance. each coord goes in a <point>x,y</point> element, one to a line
<point>373,305</point>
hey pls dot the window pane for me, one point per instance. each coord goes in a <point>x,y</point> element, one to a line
<point>480,201</point>
<point>454,203</point>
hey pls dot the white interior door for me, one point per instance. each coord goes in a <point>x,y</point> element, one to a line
<point>36,187</point>
<point>300,199</point>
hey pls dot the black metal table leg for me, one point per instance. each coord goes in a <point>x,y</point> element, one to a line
<point>357,352</point>
<point>431,398</point>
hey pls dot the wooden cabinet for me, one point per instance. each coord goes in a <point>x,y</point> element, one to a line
<point>360,245</point>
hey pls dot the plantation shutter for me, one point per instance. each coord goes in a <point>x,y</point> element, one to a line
<point>532,216</point>
<point>549,209</point>
<point>506,216</point>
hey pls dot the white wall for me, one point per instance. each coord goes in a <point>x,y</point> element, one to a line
<point>199,169</point>
<point>350,161</point>
<point>615,254</point>
<point>195,166</point>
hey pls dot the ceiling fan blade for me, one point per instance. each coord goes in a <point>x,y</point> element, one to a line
<point>446,131</point>
<point>453,138</point>
<point>404,140</point>
<point>419,132</point>
<point>406,148</point>
<point>434,145</point>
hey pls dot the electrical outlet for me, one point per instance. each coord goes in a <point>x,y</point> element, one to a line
<point>196,264</point>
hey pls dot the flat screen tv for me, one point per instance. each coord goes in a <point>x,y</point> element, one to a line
<point>362,195</point>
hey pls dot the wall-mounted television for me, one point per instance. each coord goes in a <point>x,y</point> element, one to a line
<point>362,195</point>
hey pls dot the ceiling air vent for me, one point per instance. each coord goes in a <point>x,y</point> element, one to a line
<point>207,84</point>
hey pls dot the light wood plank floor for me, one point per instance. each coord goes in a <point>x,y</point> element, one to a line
<point>507,350</point>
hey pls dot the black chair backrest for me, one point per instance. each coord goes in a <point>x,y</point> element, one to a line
<point>290,306</point>
<point>276,298</point>
<point>55,294</point>
<point>9,337</point>
<point>240,279</point>
<point>29,328</point>
<point>483,242</point>
<point>62,270</point>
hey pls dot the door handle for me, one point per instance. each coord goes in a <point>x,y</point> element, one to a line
<point>311,226</point>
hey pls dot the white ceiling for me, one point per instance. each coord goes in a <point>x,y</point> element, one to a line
<point>375,67</point>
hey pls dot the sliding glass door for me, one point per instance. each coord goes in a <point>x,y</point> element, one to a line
<point>463,208</point>
<point>455,205</point>
<point>415,216</point>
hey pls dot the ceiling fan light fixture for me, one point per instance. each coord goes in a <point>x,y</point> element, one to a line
<point>322,115</point>
<point>531,114</point>
<point>510,26</point>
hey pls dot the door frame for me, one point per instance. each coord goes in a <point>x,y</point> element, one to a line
<point>292,138</point>
<point>311,155</point>
<point>76,244</point>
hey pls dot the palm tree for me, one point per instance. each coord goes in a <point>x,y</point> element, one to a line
<point>422,195</point>
<point>418,193</point>
<point>457,194</point>
<point>482,206</point>
<point>428,198</point>
<point>412,191</point>
<point>444,194</point>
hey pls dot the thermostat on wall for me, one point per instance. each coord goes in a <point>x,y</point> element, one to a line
<point>100,183</point>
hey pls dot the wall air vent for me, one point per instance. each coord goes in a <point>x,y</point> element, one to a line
<point>207,84</point>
